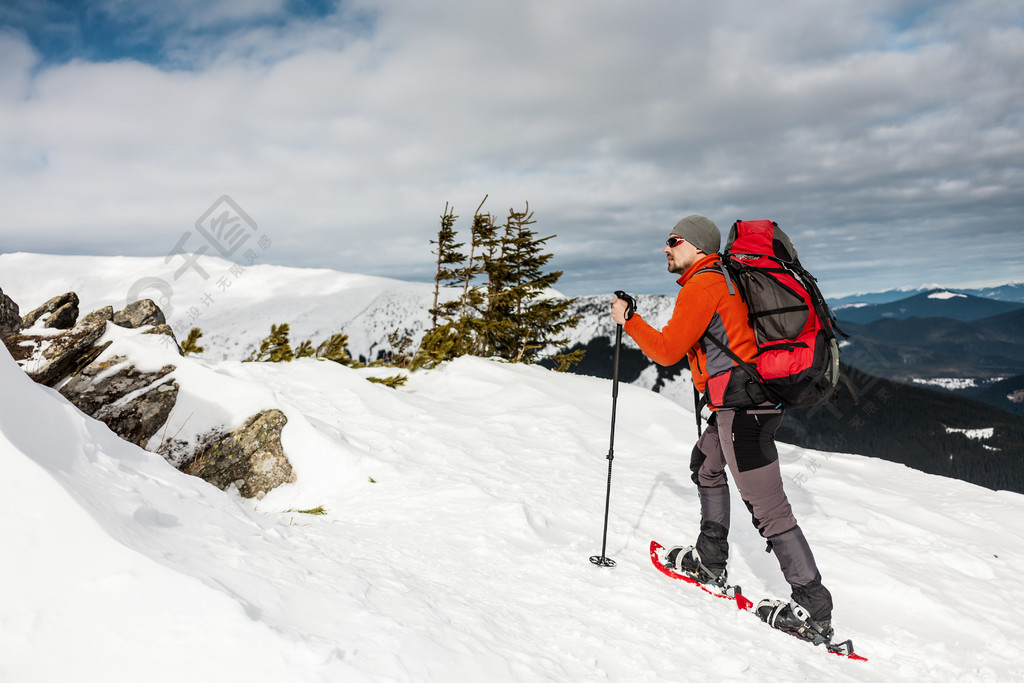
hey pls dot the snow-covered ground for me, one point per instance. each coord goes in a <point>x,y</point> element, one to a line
<point>956,383</point>
<point>980,434</point>
<point>466,556</point>
<point>462,510</point>
<point>948,383</point>
<point>467,559</point>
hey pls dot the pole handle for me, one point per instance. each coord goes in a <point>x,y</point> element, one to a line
<point>630,303</point>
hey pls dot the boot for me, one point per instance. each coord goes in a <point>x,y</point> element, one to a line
<point>688,561</point>
<point>795,620</point>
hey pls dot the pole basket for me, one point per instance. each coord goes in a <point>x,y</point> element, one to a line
<point>602,561</point>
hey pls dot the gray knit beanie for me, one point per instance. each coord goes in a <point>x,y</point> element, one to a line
<point>700,232</point>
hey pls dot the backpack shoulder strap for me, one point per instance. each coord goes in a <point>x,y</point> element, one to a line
<point>740,363</point>
<point>719,268</point>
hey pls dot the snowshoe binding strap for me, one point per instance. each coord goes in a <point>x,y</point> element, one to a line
<point>795,620</point>
<point>686,560</point>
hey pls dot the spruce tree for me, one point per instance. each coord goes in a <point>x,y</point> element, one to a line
<point>438,345</point>
<point>448,272</point>
<point>483,319</point>
<point>535,320</point>
<point>507,314</point>
<point>399,356</point>
<point>335,348</point>
<point>275,348</point>
<point>191,343</point>
<point>481,229</point>
<point>305,349</point>
<point>455,327</point>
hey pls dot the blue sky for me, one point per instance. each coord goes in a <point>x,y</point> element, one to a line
<point>886,137</point>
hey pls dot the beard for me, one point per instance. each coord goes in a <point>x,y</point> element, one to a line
<point>679,267</point>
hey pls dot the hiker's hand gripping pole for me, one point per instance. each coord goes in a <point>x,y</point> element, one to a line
<point>621,313</point>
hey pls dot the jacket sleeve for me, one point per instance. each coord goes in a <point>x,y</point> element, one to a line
<point>690,318</point>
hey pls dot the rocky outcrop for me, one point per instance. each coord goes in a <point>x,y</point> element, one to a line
<point>166,330</point>
<point>139,314</point>
<point>138,419</point>
<point>59,313</point>
<point>251,457</point>
<point>145,313</point>
<point>10,317</point>
<point>133,403</point>
<point>58,350</point>
<point>49,358</point>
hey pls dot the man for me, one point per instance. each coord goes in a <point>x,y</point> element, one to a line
<point>741,439</point>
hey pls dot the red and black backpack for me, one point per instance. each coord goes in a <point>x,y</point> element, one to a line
<point>797,362</point>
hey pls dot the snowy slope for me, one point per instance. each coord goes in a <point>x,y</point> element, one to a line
<point>467,560</point>
<point>233,305</point>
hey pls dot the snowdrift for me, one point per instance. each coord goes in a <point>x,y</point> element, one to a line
<point>467,558</point>
<point>461,513</point>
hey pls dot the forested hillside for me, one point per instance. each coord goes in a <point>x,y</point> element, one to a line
<point>901,423</point>
<point>937,347</point>
<point>931,431</point>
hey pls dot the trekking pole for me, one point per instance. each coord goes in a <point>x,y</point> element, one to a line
<point>602,560</point>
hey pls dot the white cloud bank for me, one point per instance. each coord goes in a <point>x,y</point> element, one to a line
<point>886,137</point>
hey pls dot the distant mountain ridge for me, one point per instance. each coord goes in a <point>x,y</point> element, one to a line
<point>935,303</point>
<point>1013,291</point>
<point>931,431</point>
<point>1010,292</point>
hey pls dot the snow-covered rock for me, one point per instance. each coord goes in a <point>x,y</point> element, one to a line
<point>10,318</point>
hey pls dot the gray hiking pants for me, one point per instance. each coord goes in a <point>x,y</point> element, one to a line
<point>748,451</point>
<point>750,454</point>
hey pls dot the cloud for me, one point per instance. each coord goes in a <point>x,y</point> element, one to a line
<point>885,137</point>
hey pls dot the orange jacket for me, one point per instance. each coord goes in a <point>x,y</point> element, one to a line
<point>703,303</point>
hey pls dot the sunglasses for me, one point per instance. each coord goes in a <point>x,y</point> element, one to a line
<point>674,241</point>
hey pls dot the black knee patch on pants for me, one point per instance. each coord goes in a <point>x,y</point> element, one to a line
<point>697,458</point>
<point>753,518</point>
<point>753,439</point>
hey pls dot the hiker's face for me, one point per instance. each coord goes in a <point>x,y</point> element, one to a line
<point>681,256</point>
